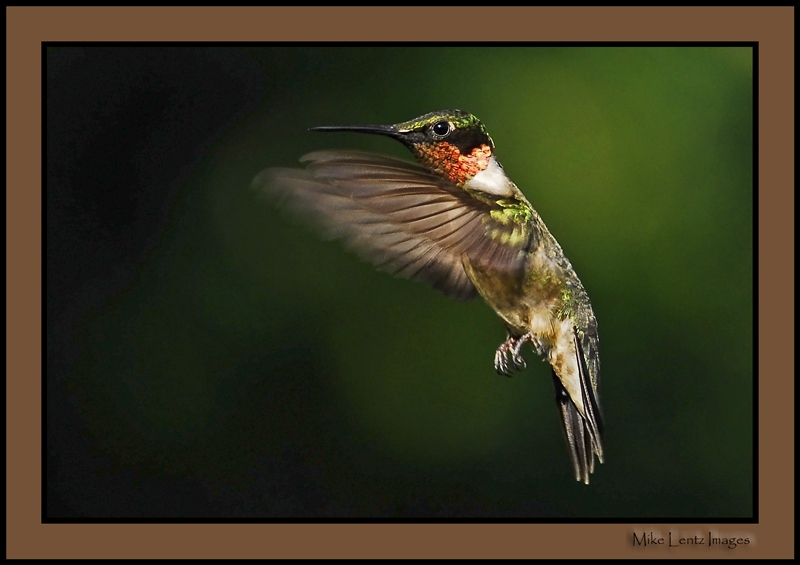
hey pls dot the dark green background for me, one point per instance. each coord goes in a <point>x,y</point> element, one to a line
<point>210,356</point>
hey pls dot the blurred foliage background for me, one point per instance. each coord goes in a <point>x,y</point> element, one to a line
<point>211,356</point>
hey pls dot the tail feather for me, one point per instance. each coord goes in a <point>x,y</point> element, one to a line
<point>594,418</point>
<point>578,440</point>
<point>584,432</point>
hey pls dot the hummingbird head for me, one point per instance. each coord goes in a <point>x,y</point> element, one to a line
<point>450,143</point>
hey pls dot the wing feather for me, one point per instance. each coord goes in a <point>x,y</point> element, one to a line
<point>397,215</point>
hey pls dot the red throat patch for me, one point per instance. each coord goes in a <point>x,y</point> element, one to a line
<point>448,161</point>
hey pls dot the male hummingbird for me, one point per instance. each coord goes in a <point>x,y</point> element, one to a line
<point>456,221</point>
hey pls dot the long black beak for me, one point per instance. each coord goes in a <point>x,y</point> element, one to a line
<point>390,131</point>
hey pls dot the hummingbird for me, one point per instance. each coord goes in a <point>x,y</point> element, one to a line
<point>455,220</point>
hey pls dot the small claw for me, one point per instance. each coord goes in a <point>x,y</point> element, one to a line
<point>504,354</point>
<point>519,362</point>
<point>500,363</point>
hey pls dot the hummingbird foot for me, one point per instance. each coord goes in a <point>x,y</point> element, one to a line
<point>509,350</point>
<point>519,362</point>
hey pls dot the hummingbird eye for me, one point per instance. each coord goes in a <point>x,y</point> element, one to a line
<point>441,128</point>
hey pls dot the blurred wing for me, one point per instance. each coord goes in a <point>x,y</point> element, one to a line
<point>399,216</point>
